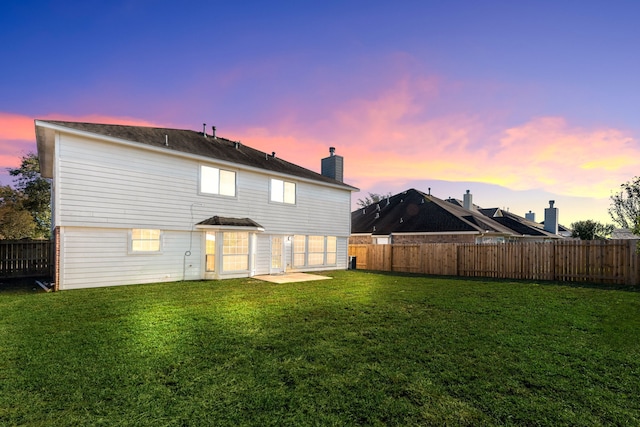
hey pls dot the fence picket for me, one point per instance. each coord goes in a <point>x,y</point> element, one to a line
<point>610,261</point>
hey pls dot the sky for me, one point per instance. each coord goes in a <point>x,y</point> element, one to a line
<point>519,102</point>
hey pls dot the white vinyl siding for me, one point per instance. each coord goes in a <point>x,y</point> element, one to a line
<point>110,189</point>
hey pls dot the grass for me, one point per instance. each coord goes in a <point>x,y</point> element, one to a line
<point>361,349</point>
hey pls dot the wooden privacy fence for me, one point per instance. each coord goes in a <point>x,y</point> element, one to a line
<point>25,258</point>
<point>598,261</point>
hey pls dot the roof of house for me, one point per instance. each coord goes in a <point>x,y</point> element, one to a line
<point>226,221</point>
<point>413,211</point>
<point>519,225</point>
<point>192,142</point>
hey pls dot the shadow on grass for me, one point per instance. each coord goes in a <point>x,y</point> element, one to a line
<point>23,285</point>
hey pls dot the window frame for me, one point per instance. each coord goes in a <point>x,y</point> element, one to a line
<point>131,240</point>
<point>204,187</point>
<point>278,187</point>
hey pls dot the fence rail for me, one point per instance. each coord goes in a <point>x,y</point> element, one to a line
<point>25,258</point>
<point>597,261</point>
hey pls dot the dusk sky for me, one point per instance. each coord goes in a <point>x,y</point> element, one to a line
<point>519,102</point>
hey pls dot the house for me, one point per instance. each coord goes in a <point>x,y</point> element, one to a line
<point>415,217</point>
<point>135,204</point>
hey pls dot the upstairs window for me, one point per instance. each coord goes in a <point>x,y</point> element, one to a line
<point>283,191</point>
<point>217,181</point>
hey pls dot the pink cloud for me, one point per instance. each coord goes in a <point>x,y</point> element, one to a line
<point>396,135</point>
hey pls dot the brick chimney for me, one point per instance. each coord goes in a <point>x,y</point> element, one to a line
<point>333,166</point>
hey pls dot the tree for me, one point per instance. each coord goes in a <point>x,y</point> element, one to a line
<point>37,192</point>
<point>591,230</point>
<point>15,221</point>
<point>372,198</point>
<point>625,206</point>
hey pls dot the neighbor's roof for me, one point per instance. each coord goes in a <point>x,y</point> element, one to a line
<point>413,211</point>
<point>188,142</point>
<point>519,225</point>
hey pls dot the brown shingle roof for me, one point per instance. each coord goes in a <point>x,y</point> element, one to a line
<point>192,142</point>
<point>225,221</point>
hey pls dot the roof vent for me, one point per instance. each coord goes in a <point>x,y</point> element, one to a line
<point>377,215</point>
<point>377,206</point>
<point>401,220</point>
<point>204,129</point>
<point>213,132</point>
<point>237,145</point>
<point>374,228</point>
<point>273,154</point>
<point>388,202</point>
<point>364,211</point>
<point>166,140</point>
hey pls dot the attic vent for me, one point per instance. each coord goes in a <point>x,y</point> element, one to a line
<point>377,215</point>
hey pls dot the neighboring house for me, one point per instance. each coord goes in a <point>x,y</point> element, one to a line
<point>623,233</point>
<point>415,217</point>
<point>136,204</point>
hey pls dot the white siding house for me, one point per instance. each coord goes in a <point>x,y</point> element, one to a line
<point>139,205</point>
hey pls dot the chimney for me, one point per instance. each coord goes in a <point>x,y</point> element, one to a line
<point>333,166</point>
<point>467,201</point>
<point>530,216</point>
<point>551,218</point>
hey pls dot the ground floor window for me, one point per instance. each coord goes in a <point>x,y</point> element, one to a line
<point>145,240</point>
<point>314,250</point>
<point>210,251</point>
<point>235,251</point>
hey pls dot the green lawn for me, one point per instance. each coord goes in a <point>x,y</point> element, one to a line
<point>361,349</point>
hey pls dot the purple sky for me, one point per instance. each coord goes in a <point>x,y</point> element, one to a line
<point>519,102</point>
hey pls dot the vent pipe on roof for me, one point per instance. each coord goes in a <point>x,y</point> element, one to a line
<point>429,191</point>
<point>166,140</point>
<point>204,129</point>
<point>213,132</point>
<point>332,151</point>
<point>273,154</point>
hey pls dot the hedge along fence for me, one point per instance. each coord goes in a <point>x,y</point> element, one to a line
<point>599,261</point>
<point>26,258</point>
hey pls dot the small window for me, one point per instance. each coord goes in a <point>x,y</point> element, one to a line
<point>283,191</point>
<point>332,249</point>
<point>145,240</point>
<point>210,251</point>
<point>217,181</point>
